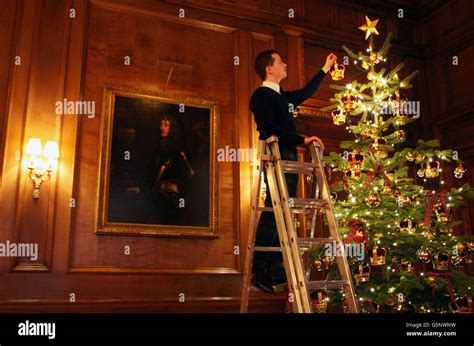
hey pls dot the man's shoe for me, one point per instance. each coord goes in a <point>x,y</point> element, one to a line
<point>280,288</point>
<point>260,281</point>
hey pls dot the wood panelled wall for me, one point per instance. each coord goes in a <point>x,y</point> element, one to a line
<point>74,58</point>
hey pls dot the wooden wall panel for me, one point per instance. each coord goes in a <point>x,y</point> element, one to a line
<point>112,36</point>
<point>8,162</point>
<point>7,60</point>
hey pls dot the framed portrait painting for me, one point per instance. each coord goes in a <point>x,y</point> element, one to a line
<point>157,173</point>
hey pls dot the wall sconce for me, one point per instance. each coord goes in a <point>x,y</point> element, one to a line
<point>41,163</point>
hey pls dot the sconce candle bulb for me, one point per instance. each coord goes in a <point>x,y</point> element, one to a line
<point>41,163</point>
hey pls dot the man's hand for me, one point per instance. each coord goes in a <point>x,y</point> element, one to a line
<point>330,60</point>
<point>309,140</point>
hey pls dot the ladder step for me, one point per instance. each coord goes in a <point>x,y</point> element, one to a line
<point>267,248</point>
<point>303,243</point>
<point>308,203</point>
<point>299,167</point>
<point>294,210</point>
<point>329,284</point>
<point>308,243</point>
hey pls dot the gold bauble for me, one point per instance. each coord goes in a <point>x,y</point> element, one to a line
<point>372,200</point>
<point>410,156</point>
<point>400,133</point>
<point>403,201</point>
<point>459,171</point>
<point>432,169</point>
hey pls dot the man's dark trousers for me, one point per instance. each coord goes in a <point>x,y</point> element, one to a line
<point>267,234</point>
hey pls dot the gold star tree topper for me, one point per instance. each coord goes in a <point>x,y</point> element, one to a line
<point>369,28</point>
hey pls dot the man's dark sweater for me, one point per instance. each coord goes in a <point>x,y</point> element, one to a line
<point>272,115</point>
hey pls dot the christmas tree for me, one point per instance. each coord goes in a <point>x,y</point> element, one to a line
<point>413,262</point>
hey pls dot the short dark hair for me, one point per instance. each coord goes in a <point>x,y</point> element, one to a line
<point>263,60</point>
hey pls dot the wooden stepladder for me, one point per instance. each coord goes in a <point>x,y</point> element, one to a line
<point>292,247</point>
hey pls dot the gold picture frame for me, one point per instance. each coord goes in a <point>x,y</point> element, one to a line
<point>119,197</point>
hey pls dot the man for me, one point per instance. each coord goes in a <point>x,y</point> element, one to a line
<point>270,105</point>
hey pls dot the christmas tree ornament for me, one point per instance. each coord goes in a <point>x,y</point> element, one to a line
<point>345,306</point>
<point>410,156</point>
<point>372,200</point>
<point>339,117</point>
<point>406,266</point>
<point>419,157</point>
<point>379,141</point>
<point>387,190</point>
<point>355,161</point>
<point>395,260</point>
<point>319,301</point>
<point>376,147</point>
<point>408,225</point>
<point>369,27</point>
<point>348,101</point>
<point>464,304</point>
<point>456,260</point>
<point>365,134</point>
<point>337,71</point>
<point>442,212</point>
<point>459,171</point>
<point>403,201</point>
<point>378,256</point>
<point>362,272</point>
<point>441,261</point>
<point>374,58</point>
<point>424,255</point>
<point>352,174</point>
<point>400,134</point>
<point>432,169</point>
<point>421,172</point>
<point>390,301</point>
<point>318,265</point>
<point>327,262</point>
<point>461,249</point>
<point>359,236</point>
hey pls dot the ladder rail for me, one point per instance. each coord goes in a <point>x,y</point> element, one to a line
<point>285,244</point>
<point>342,262</point>
<point>291,238</point>
<point>253,227</point>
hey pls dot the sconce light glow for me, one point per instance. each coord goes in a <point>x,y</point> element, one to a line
<point>34,147</point>
<point>51,150</point>
<point>41,163</point>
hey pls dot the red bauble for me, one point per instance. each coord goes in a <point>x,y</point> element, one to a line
<point>359,236</point>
